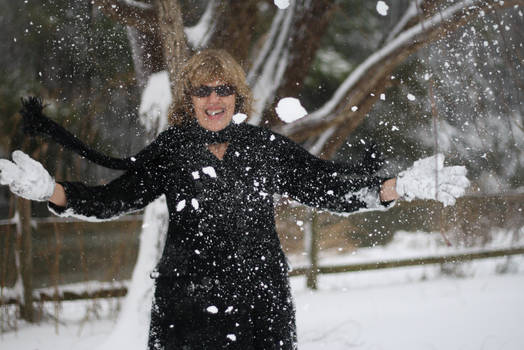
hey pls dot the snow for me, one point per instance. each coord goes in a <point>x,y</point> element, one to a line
<point>382,8</point>
<point>210,171</point>
<point>483,313</point>
<point>409,308</point>
<point>282,4</point>
<point>199,34</point>
<point>212,309</point>
<point>289,109</point>
<point>194,203</point>
<point>155,102</point>
<point>181,205</point>
<point>239,118</point>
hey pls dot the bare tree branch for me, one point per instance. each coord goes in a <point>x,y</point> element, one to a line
<point>310,24</point>
<point>132,13</point>
<point>356,96</point>
<point>199,35</point>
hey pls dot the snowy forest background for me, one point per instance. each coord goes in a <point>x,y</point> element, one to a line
<point>417,78</point>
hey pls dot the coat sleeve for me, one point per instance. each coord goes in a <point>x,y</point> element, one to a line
<point>322,183</point>
<point>130,192</point>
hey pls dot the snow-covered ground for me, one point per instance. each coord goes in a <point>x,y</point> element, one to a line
<point>403,308</point>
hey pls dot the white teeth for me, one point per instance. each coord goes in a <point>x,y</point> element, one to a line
<point>212,113</point>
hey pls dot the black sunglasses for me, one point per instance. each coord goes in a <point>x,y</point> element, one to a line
<point>205,91</point>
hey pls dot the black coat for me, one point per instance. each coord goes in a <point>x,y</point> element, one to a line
<point>223,276</point>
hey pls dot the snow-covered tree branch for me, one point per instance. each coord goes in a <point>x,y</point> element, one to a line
<point>357,94</point>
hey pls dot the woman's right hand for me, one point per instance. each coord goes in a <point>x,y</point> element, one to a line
<point>27,178</point>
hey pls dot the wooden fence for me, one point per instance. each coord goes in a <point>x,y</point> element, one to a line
<point>374,265</point>
<point>515,202</point>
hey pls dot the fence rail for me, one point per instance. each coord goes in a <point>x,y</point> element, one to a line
<point>376,265</point>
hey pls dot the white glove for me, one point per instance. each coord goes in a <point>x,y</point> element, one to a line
<point>419,181</point>
<point>26,177</point>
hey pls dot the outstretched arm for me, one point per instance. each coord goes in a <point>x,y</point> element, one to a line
<point>132,191</point>
<point>326,184</point>
<point>341,187</point>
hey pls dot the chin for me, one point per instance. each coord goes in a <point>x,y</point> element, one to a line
<point>214,125</point>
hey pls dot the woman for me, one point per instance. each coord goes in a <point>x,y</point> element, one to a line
<point>222,279</point>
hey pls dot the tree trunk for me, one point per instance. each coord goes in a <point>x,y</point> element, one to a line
<point>172,36</point>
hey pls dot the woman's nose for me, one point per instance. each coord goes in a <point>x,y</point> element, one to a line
<point>213,97</point>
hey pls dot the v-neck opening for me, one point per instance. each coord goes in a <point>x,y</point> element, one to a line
<point>215,157</point>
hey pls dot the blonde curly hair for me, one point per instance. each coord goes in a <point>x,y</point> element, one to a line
<point>204,67</point>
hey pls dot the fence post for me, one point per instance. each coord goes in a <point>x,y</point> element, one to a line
<point>311,240</point>
<point>25,248</point>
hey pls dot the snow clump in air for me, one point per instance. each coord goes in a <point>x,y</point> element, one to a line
<point>282,4</point>
<point>289,109</point>
<point>411,97</point>
<point>181,205</point>
<point>382,8</point>
<point>212,309</point>
<point>239,118</point>
<point>209,170</point>
<point>194,203</point>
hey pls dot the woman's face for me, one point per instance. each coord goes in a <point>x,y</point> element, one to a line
<point>214,112</point>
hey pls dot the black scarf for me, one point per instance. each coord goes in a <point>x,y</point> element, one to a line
<point>35,123</point>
